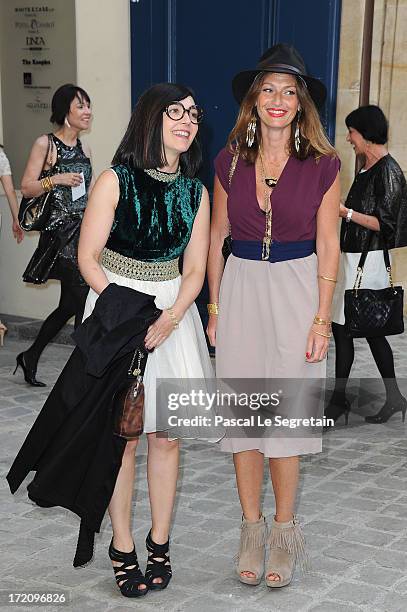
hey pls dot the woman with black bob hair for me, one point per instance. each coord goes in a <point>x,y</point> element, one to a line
<point>58,163</point>
<point>374,217</point>
<point>145,212</point>
<point>142,144</point>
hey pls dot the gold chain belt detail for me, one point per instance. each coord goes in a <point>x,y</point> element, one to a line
<point>139,270</point>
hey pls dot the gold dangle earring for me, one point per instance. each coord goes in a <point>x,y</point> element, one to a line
<point>251,130</point>
<point>297,135</point>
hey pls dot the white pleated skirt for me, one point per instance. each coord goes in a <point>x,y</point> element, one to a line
<point>184,354</point>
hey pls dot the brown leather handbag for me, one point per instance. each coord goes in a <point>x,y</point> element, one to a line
<point>128,401</point>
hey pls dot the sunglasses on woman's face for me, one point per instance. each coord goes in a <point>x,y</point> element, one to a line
<point>176,111</point>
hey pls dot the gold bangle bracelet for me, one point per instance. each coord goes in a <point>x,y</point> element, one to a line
<point>321,334</point>
<point>319,321</point>
<point>213,308</point>
<point>173,317</point>
<point>47,184</point>
<point>331,280</point>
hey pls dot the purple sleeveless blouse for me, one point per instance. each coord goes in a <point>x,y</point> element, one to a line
<point>295,199</point>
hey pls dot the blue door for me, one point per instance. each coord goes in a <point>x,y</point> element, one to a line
<point>204,43</point>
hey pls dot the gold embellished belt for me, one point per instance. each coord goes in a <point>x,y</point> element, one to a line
<point>139,270</point>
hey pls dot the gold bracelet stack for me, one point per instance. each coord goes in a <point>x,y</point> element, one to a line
<point>319,321</point>
<point>321,334</point>
<point>174,319</point>
<point>213,308</point>
<point>47,184</point>
<point>331,280</point>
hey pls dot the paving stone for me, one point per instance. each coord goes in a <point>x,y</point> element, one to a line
<point>359,594</point>
<point>394,602</point>
<point>378,576</point>
<point>350,552</point>
<point>398,510</point>
<point>401,587</point>
<point>367,536</point>
<point>376,493</point>
<point>287,599</point>
<point>212,604</point>
<point>399,545</point>
<point>337,486</point>
<point>392,483</point>
<point>367,468</point>
<point>388,523</point>
<point>321,564</point>
<point>390,558</point>
<point>382,460</point>
<point>359,503</point>
<point>322,528</point>
<point>333,606</point>
<point>353,476</point>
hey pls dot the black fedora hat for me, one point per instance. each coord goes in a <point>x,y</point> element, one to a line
<point>280,58</point>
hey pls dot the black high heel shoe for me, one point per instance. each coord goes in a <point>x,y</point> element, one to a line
<point>29,373</point>
<point>336,408</point>
<point>387,411</point>
<point>128,575</point>
<point>158,564</point>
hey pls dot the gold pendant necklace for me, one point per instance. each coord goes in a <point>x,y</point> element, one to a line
<point>265,251</point>
<point>271,182</point>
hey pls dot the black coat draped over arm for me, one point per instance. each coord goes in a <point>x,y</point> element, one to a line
<point>71,445</point>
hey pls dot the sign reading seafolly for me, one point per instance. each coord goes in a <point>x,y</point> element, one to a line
<point>38,54</point>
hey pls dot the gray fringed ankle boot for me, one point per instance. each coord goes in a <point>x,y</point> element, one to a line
<point>252,550</point>
<point>287,546</point>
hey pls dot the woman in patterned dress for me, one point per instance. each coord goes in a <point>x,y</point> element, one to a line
<point>68,164</point>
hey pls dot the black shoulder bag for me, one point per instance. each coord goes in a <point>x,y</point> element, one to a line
<point>371,313</point>
<point>34,212</point>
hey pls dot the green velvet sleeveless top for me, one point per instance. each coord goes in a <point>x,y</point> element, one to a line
<point>153,219</point>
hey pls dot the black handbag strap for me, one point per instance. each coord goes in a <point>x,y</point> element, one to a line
<point>362,262</point>
<point>386,258</point>
<point>47,156</point>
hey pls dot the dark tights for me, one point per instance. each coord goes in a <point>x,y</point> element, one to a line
<point>382,354</point>
<point>71,304</point>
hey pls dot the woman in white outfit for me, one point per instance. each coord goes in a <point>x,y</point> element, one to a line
<point>145,212</point>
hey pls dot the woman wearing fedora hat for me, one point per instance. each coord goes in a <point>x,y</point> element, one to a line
<point>277,186</point>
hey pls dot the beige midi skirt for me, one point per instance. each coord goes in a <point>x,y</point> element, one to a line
<point>265,314</point>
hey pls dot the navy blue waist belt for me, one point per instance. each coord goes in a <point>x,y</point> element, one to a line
<point>279,251</point>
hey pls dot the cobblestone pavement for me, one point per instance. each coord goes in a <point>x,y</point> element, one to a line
<point>352,503</point>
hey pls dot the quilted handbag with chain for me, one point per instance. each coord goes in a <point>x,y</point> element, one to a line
<point>372,313</point>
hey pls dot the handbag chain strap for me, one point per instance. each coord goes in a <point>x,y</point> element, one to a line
<point>232,169</point>
<point>48,157</point>
<point>136,372</point>
<point>361,264</point>
<point>233,164</point>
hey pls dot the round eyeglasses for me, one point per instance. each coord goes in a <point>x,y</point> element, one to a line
<point>176,110</point>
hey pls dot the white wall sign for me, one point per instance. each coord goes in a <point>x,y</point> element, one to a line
<point>38,54</point>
